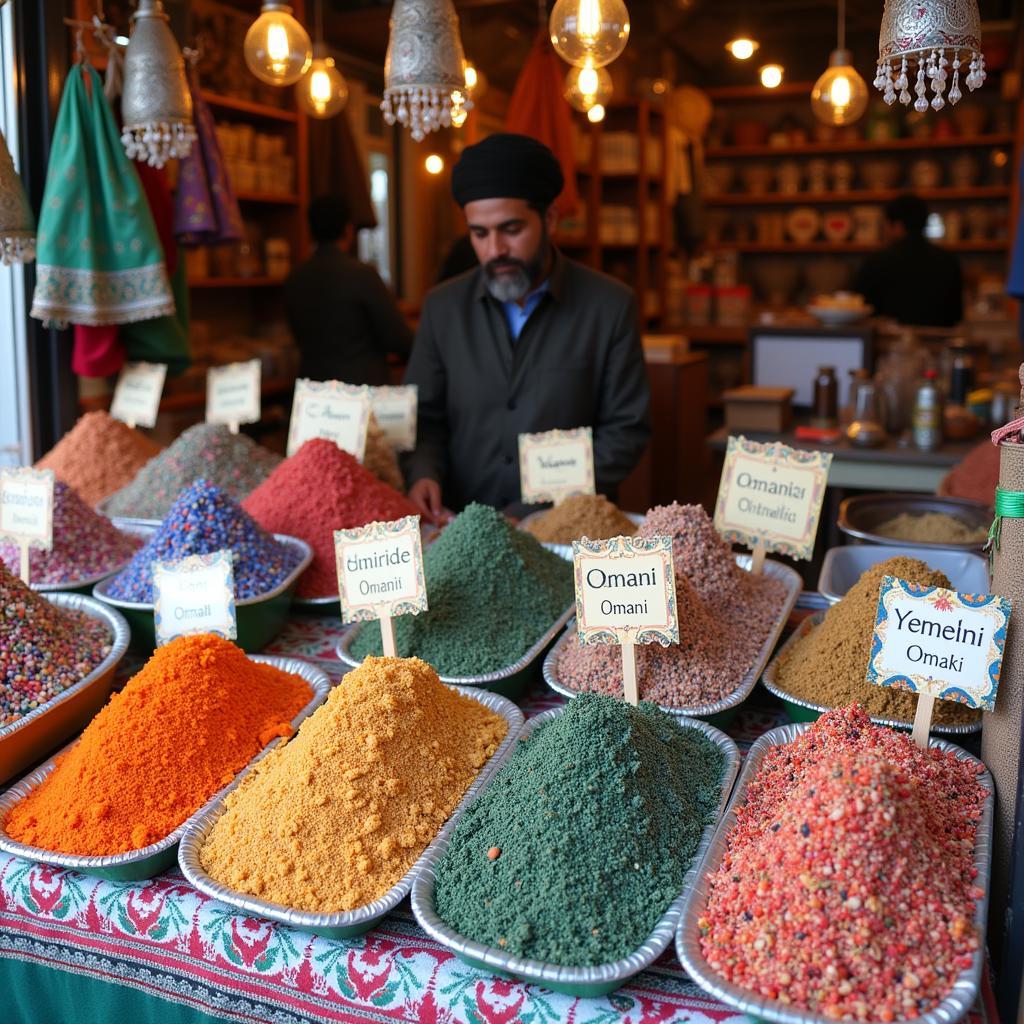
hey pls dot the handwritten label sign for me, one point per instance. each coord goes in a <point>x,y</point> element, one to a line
<point>233,393</point>
<point>26,507</point>
<point>770,495</point>
<point>394,409</point>
<point>332,410</point>
<point>626,595</point>
<point>137,395</point>
<point>194,595</point>
<point>556,464</point>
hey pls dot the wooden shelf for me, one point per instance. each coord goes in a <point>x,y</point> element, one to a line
<point>282,199</point>
<point>714,334</point>
<point>858,146</point>
<point>270,387</point>
<point>724,93</point>
<point>855,196</point>
<point>236,282</point>
<point>250,108</point>
<point>840,247</point>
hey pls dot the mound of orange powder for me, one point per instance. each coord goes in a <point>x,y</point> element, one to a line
<point>181,729</point>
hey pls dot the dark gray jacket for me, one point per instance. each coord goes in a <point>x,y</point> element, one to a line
<point>578,362</point>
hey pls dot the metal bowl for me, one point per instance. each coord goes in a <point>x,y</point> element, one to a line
<point>565,550</point>
<point>341,923</point>
<point>149,860</point>
<point>859,517</point>
<point>578,981</point>
<point>964,992</point>
<point>721,712</point>
<point>510,681</point>
<point>259,618</point>
<point>800,710</point>
<point>24,741</point>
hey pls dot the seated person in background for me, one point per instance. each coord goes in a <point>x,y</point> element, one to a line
<point>912,280</point>
<point>344,318</point>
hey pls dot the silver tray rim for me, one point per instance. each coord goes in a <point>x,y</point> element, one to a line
<point>618,971</point>
<point>497,676</point>
<point>120,634</point>
<point>100,591</point>
<point>813,620</point>
<point>199,828</point>
<point>319,683</point>
<point>965,505</point>
<point>565,550</point>
<point>964,992</point>
<point>892,551</point>
<point>87,581</point>
<point>777,570</point>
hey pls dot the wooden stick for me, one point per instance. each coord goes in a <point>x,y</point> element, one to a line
<point>233,426</point>
<point>26,575</point>
<point>757,563</point>
<point>923,719</point>
<point>387,637</point>
<point>630,689</point>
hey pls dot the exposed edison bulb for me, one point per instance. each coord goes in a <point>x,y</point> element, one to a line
<point>771,76</point>
<point>595,113</point>
<point>587,87</point>
<point>434,164</point>
<point>742,48</point>
<point>589,31</point>
<point>840,96</point>
<point>459,115</point>
<point>277,48</point>
<point>323,91</point>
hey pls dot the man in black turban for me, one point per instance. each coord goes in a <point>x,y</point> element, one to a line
<point>526,342</point>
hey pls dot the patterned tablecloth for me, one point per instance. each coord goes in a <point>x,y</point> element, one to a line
<point>78,949</point>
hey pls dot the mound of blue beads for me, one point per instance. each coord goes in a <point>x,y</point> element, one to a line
<point>203,519</point>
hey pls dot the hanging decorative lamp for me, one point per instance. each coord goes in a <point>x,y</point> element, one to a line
<point>840,95</point>
<point>589,31</point>
<point>277,49</point>
<point>425,84</point>
<point>156,105</point>
<point>587,87</point>
<point>933,36</point>
<point>322,92</point>
<point>17,225</point>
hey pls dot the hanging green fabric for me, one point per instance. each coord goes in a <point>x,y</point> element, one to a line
<point>165,339</point>
<point>98,255</point>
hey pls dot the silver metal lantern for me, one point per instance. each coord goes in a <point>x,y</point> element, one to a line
<point>424,72</point>
<point>931,41</point>
<point>156,105</point>
<point>17,225</point>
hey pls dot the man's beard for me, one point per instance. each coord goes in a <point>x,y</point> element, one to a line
<point>513,285</point>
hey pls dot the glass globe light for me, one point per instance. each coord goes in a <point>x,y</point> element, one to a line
<point>840,96</point>
<point>589,30</point>
<point>322,91</point>
<point>587,86</point>
<point>459,115</point>
<point>771,76</point>
<point>277,48</point>
<point>742,48</point>
<point>595,113</point>
<point>434,164</point>
<point>476,81</point>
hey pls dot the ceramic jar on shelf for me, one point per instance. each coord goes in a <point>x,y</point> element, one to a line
<point>926,173</point>
<point>817,176</point>
<point>842,176</point>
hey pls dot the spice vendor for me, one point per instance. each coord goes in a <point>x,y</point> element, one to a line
<point>528,341</point>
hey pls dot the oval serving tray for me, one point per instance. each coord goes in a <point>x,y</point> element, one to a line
<point>565,550</point>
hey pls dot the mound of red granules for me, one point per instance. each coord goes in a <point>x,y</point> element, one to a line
<point>848,887</point>
<point>320,489</point>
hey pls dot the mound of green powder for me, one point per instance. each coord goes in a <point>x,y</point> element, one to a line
<point>493,590</point>
<point>234,463</point>
<point>584,837</point>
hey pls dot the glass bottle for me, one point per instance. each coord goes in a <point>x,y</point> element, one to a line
<point>825,414</point>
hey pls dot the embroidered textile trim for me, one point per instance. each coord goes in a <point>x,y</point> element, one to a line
<point>100,298</point>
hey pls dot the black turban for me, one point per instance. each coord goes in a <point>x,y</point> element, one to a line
<point>507,166</point>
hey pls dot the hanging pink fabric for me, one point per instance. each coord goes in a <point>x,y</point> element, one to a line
<point>539,109</point>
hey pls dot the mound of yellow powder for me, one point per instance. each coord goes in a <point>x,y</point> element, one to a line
<point>336,817</point>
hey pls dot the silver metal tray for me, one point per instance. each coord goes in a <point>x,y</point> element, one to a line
<point>565,550</point>
<point>813,710</point>
<point>581,981</point>
<point>504,680</point>
<point>964,993</point>
<point>124,522</point>
<point>776,570</point>
<point>80,584</point>
<point>340,923</point>
<point>860,516</point>
<point>152,859</point>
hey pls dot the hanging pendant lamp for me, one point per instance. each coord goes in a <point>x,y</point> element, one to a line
<point>932,35</point>
<point>423,73</point>
<point>156,105</point>
<point>17,225</point>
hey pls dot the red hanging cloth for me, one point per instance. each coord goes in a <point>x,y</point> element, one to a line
<point>539,109</point>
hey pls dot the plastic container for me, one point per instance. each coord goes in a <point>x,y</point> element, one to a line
<point>149,860</point>
<point>962,996</point>
<point>585,982</point>
<point>340,924</point>
<point>842,567</point>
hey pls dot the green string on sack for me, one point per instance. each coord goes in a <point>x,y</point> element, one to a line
<point>1008,503</point>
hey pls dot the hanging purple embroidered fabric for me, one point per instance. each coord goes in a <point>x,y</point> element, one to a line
<point>205,209</point>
